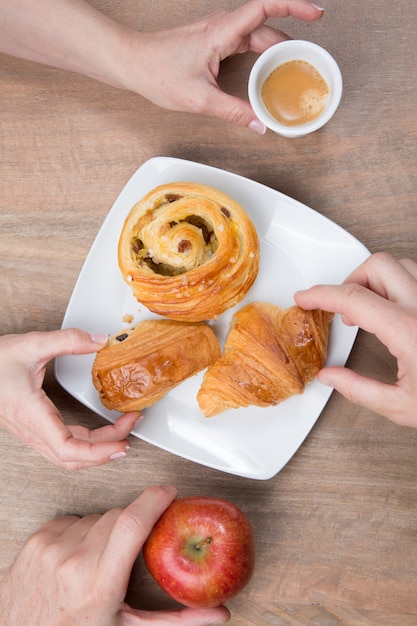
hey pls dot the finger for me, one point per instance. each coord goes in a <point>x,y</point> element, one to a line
<point>410,266</point>
<point>187,617</point>
<point>385,399</point>
<point>53,528</point>
<point>112,432</point>
<point>45,346</point>
<point>229,108</point>
<point>51,533</point>
<point>74,534</point>
<point>68,536</point>
<point>243,29</point>
<point>366,309</point>
<point>384,275</point>
<point>264,37</point>
<point>253,13</point>
<point>91,533</point>
<point>131,530</point>
<point>73,447</point>
<point>75,454</point>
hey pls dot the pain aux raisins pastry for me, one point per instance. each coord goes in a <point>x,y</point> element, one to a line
<point>189,252</point>
<point>141,364</point>
<point>270,354</point>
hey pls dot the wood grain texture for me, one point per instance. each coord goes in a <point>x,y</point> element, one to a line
<point>336,528</point>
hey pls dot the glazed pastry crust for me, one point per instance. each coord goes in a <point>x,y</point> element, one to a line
<point>188,251</point>
<point>270,354</point>
<point>141,364</point>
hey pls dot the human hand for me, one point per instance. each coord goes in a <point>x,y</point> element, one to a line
<point>28,414</point>
<point>76,571</point>
<point>380,296</point>
<point>178,69</point>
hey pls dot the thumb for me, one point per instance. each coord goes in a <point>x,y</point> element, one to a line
<point>232,109</point>
<point>45,346</point>
<point>380,397</point>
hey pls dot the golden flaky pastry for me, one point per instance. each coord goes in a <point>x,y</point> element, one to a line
<point>188,251</point>
<point>270,354</point>
<point>141,364</point>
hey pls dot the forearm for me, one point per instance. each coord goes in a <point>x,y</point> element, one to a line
<point>176,69</point>
<point>67,34</point>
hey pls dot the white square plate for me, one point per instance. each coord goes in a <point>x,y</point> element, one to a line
<point>299,248</point>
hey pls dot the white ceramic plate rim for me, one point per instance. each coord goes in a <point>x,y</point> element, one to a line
<point>299,248</point>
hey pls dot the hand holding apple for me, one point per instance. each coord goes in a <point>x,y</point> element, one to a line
<point>77,571</point>
<point>201,551</point>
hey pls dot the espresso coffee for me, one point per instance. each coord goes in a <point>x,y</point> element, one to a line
<point>295,93</point>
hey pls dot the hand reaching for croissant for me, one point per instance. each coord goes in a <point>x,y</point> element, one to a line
<point>28,414</point>
<point>176,69</point>
<point>380,296</point>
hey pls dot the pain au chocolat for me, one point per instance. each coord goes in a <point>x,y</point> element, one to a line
<point>141,364</point>
<point>270,354</point>
<point>188,251</point>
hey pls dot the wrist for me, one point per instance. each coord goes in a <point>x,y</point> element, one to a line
<point>131,61</point>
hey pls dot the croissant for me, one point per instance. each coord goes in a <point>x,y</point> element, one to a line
<point>141,364</point>
<point>270,354</point>
<point>188,251</point>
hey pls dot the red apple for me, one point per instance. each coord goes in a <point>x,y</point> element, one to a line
<point>201,551</point>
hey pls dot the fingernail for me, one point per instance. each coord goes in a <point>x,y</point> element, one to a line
<point>317,6</point>
<point>257,126</point>
<point>324,379</point>
<point>170,489</point>
<point>138,421</point>
<point>117,455</point>
<point>99,338</point>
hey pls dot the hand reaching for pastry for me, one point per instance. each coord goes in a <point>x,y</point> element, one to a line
<point>380,296</point>
<point>176,69</point>
<point>76,571</point>
<point>28,414</point>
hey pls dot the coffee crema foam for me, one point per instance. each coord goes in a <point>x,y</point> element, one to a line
<point>295,93</point>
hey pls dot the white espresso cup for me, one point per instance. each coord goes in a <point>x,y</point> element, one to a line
<point>284,52</point>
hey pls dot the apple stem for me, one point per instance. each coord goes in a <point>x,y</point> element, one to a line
<point>201,543</point>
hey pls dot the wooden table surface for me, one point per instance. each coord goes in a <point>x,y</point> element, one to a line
<point>336,528</point>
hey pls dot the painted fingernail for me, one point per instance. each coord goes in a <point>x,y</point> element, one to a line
<point>117,455</point>
<point>317,6</point>
<point>258,127</point>
<point>99,338</point>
